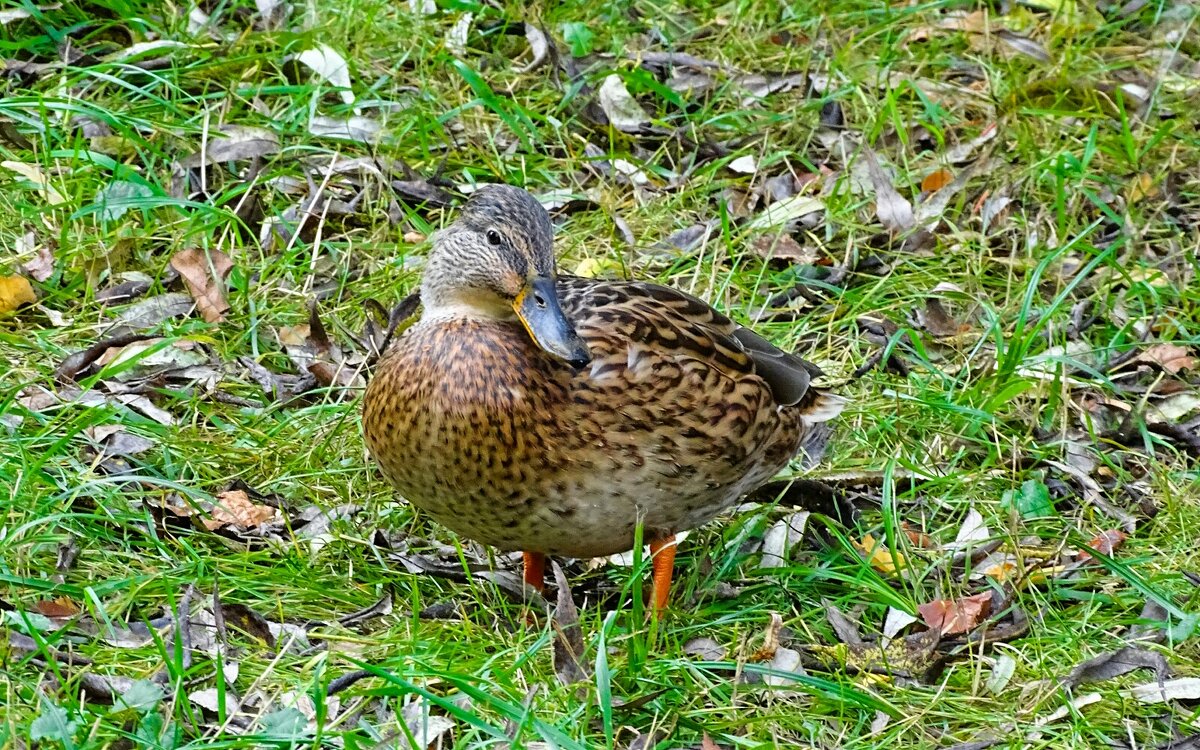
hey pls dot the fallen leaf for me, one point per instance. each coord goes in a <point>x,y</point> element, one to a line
<point>456,37</point>
<point>538,45</point>
<point>1022,44</point>
<point>895,621</point>
<point>787,662</point>
<point>844,628</point>
<point>1106,543</point>
<point>770,643</point>
<point>59,608</point>
<point>14,292</point>
<point>916,537</point>
<point>1184,688</point>
<point>272,13</point>
<point>1141,188</point>
<point>154,310</point>
<point>1002,672</point>
<point>8,16</point>
<point>1062,712</point>
<point>41,266</point>
<point>622,110</point>
<point>568,636</point>
<point>210,700</point>
<point>743,165</point>
<point>705,649</point>
<point>894,210</point>
<point>953,616</point>
<point>780,538</point>
<point>784,248</point>
<point>937,321</point>
<point>355,128</point>
<point>972,532</point>
<point>246,619</point>
<point>235,508</point>
<point>329,66</point>
<point>1170,357</point>
<point>34,174</point>
<point>1113,664</point>
<point>786,211</point>
<point>425,727</point>
<point>233,143</point>
<point>879,556</point>
<point>205,282</point>
<point>935,181</point>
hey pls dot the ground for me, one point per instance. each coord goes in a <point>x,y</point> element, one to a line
<point>979,220</point>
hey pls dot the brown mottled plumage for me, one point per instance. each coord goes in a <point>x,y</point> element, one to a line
<point>554,432</point>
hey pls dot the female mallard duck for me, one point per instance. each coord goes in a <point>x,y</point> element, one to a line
<point>551,414</point>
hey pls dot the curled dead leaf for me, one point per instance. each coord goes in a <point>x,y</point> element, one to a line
<point>1172,358</point>
<point>235,508</point>
<point>952,616</point>
<point>1106,543</point>
<point>205,274</point>
<point>770,644</point>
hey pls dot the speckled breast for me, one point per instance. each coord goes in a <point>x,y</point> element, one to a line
<point>500,443</point>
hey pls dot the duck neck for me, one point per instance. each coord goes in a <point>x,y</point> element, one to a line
<point>443,299</point>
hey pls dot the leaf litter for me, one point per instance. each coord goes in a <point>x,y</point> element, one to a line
<point>783,210</point>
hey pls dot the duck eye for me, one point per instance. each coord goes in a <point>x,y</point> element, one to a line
<point>493,237</point>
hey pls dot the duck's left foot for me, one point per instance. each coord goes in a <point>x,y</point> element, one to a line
<point>662,561</point>
<point>535,570</point>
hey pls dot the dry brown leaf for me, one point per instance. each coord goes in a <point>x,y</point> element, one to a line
<point>782,247</point>
<point>952,616</point>
<point>205,282</point>
<point>916,537</point>
<point>235,508</point>
<point>14,292</point>
<point>59,608</point>
<point>1170,357</point>
<point>937,180</point>
<point>1106,543</point>
<point>879,556</point>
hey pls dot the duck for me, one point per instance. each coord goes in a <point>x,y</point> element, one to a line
<point>535,411</point>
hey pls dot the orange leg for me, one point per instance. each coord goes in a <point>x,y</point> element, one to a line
<point>535,570</point>
<point>662,556</point>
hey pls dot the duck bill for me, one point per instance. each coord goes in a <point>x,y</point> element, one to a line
<point>537,307</point>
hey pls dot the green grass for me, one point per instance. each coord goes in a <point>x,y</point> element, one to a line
<point>981,413</point>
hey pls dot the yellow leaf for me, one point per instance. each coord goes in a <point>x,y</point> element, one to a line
<point>1141,187</point>
<point>1002,571</point>
<point>1043,576</point>
<point>881,558</point>
<point>33,173</point>
<point>14,292</point>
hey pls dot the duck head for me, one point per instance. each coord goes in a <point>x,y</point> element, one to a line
<point>496,261</point>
